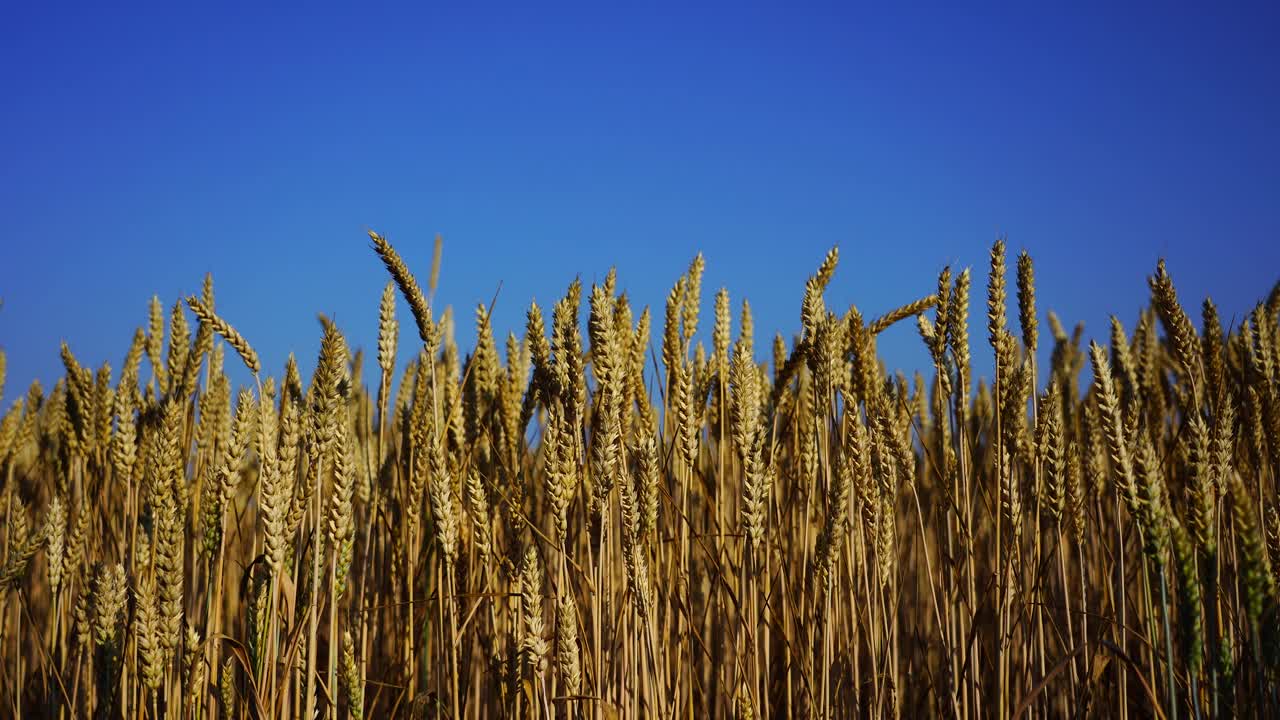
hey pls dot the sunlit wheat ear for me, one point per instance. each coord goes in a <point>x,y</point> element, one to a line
<point>535,335</point>
<point>1178,327</point>
<point>23,544</point>
<point>123,441</point>
<point>996,299</point>
<point>477,504</point>
<point>1222,447</point>
<point>155,342</point>
<point>228,333</point>
<point>1262,344</point>
<point>80,615</point>
<point>567,657</point>
<point>203,343</point>
<point>682,407</point>
<point>177,350</point>
<point>79,402</point>
<point>79,537</point>
<point>744,400</point>
<point>957,329</point>
<point>147,631</point>
<point>886,541</point>
<point>484,369</point>
<point>103,412</point>
<point>561,474</point>
<point>812,307</point>
<point>352,682</point>
<point>109,604</point>
<point>1027,303</point>
<point>273,499</point>
<point>607,350</point>
<point>428,331</point>
<point>837,503</point>
<point>1052,449</point>
<point>227,694</point>
<point>443,506</point>
<point>755,492</point>
<point>720,335</point>
<point>692,299</point>
<point>9,429</point>
<point>1113,428</point>
<point>1212,347</point>
<point>648,477</point>
<point>673,348</point>
<point>388,329</point>
<point>936,339</point>
<point>911,309</point>
<point>604,464</point>
<point>243,425</point>
<point>745,708</point>
<point>1011,499</point>
<point>341,520</point>
<point>1077,492</point>
<point>633,546</point>
<point>193,664</point>
<point>533,642</point>
<point>420,472</point>
<point>55,533</point>
<point>170,524</point>
<point>26,435</point>
<point>1202,496</point>
<point>1124,364</point>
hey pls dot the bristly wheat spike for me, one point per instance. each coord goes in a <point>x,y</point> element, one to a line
<point>228,333</point>
<point>428,332</point>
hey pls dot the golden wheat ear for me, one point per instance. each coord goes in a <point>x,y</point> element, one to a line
<point>206,317</point>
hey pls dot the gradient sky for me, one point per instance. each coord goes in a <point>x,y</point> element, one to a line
<point>140,149</point>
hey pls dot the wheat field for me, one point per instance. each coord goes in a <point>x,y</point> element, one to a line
<point>583,520</point>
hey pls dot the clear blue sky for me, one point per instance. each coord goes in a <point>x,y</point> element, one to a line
<point>141,148</point>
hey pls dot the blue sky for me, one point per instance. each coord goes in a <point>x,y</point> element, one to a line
<point>141,148</point>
